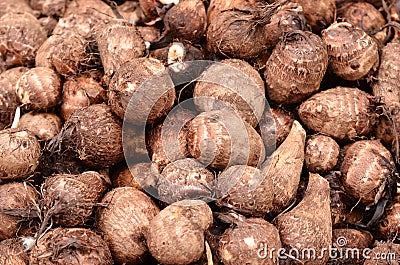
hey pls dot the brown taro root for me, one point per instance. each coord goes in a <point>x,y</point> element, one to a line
<point>73,246</point>
<point>12,252</point>
<point>123,219</point>
<point>343,113</point>
<point>44,125</point>
<point>383,253</point>
<point>231,83</point>
<point>296,67</point>
<point>389,225</point>
<point>246,190</point>
<point>39,89</point>
<point>217,6</point>
<point>21,35</point>
<point>20,154</point>
<point>49,7</point>
<point>176,235</point>
<point>322,153</point>
<point>352,53</point>
<point>367,171</point>
<point>48,24</point>
<point>136,78</point>
<point>155,10</point>
<point>18,204</point>
<point>149,33</point>
<point>141,176</point>
<point>319,14</point>
<point>220,138</point>
<point>309,225</point>
<point>69,200</point>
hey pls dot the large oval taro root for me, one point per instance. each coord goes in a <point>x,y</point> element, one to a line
<point>342,113</point>
<point>122,220</point>
<point>71,246</point>
<point>20,154</point>
<point>12,252</point>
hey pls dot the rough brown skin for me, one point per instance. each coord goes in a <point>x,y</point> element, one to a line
<point>389,249</point>
<point>70,199</point>
<point>48,24</point>
<point>13,253</point>
<point>149,33</point>
<point>128,79</point>
<point>309,224</point>
<point>20,38</point>
<point>322,153</point>
<point>140,176</point>
<point>176,235</point>
<point>44,125</point>
<point>18,202</point>
<point>149,8</point>
<point>20,154</point>
<point>245,189</point>
<point>389,225</point>
<point>39,89</point>
<point>320,14</point>
<point>296,67</point>
<point>49,7</point>
<point>19,5</point>
<point>215,7</point>
<point>366,171</point>
<point>72,246</point>
<point>74,98</point>
<point>231,83</point>
<point>220,139</point>
<point>343,113</point>
<point>123,219</point>
<point>352,53</point>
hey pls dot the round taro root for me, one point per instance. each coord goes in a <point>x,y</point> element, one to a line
<point>18,203</point>
<point>342,113</point>
<point>352,53</point>
<point>231,83</point>
<point>322,153</point>
<point>20,38</point>
<point>12,252</point>
<point>39,89</point>
<point>296,67</point>
<point>44,125</point>
<point>176,235</point>
<point>389,225</point>
<point>70,246</point>
<point>123,219</point>
<point>20,154</point>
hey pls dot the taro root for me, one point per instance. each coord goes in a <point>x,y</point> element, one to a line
<point>12,252</point>
<point>149,33</point>
<point>383,253</point>
<point>319,14</point>
<point>309,224</point>
<point>20,38</point>
<point>18,204</point>
<point>352,52</point>
<point>389,225</point>
<point>21,6</point>
<point>176,235</point>
<point>20,154</point>
<point>343,113</point>
<point>246,190</point>
<point>133,80</point>
<point>39,89</point>
<point>322,153</point>
<point>123,219</point>
<point>69,199</point>
<point>367,171</point>
<point>70,246</point>
<point>220,139</point>
<point>232,83</point>
<point>185,179</point>
<point>296,67</point>
<point>141,176</point>
<point>44,125</point>
<point>217,6</point>
<point>49,7</point>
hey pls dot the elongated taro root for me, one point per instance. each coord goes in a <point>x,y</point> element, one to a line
<point>17,205</point>
<point>296,67</point>
<point>352,52</point>
<point>343,113</point>
<point>20,154</point>
<point>70,246</point>
<point>123,219</point>
<point>319,15</point>
<point>176,234</point>
<point>231,83</point>
<point>309,224</point>
<point>322,153</point>
<point>12,252</point>
<point>389,225</point>
<point>217,6</point>
<point>44,125</point>
<point>367,171</point>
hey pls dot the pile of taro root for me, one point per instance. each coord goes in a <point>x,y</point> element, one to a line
<point>199,132</point>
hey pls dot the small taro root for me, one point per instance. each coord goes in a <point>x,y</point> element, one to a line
<point>123,219</point>
<point>20,154</point>
<point>12,252</point>
<point>176,235</point>
<point>217,6</point>
<point>389,225</point>
<point>342,113</point>
<point>352,52</point>
<point>319,14</point>
<point>71,246</point>
<point>18,203</point>
<point>322,153</point>
<point>141,176</point>
<point>220,138</point>
<point>246,190</point>
<point>20,38</point>
<point>367,171</point>
<point>44,125</point>
<point>54,8</point>
<point>39,89</point>
<point>231,83</point>
<point>136,78</point>
<point>69,200</point>
<point>383,253</point>
<point>309,224</point>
